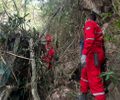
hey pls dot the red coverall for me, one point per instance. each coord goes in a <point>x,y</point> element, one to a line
<point>90,76</point>
<point>48,58</point>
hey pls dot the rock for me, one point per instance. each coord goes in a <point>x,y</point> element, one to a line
<point>62,93</point>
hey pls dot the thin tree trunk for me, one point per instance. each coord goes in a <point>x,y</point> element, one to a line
<point>33,78</point>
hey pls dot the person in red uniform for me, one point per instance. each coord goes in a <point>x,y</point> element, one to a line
<point>92,58</point>
<point>50,52</point>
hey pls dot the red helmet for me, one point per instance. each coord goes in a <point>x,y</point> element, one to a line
<point>48,37</point>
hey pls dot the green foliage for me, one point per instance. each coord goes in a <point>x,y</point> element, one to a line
<point>107,74</point>
<point>14,22</point>
<point>49,7</point>
<point>117,23</point>
<point>56,57</point>
<point>116,5</point>
<point>108,37</point>
<point>1,7</point>
<point>105,16</point>
<point>110,76</point>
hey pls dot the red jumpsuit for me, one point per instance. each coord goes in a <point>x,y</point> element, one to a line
<point>48,58</point>
<point>93,49</point>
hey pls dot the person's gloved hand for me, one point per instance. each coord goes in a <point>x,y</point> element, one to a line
<point>83,59</point>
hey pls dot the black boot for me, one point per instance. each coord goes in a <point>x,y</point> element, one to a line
<point>83,96</point>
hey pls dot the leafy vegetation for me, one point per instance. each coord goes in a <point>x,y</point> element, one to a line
<point>24,20</point>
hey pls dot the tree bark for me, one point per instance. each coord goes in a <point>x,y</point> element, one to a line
<point>33,78</point>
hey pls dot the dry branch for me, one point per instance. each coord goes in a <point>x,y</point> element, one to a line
<point>22,57</point>
<point>67,48</point>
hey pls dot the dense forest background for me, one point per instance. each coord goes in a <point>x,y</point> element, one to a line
<point>23,76</point>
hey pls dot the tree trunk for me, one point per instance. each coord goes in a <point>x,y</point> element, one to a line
<point>33,79</point>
